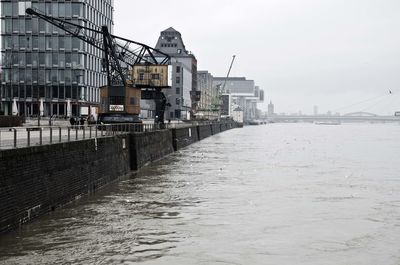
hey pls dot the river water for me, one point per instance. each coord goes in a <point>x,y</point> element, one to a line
<point>269,194</point>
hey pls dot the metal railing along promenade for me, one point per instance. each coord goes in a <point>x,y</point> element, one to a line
<point>18,137</point>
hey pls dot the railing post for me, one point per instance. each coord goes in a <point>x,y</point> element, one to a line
<point>84,136</point>
<point>28,131</point>
<point>76,133</point>
<point>69,134</point>
<point>15,137</point>
<point>60,134</point>
<point>41,136</point>
<point>90,132</point>
<point>51,135</point>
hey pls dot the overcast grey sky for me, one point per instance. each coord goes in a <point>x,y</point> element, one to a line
<point>329,53</point>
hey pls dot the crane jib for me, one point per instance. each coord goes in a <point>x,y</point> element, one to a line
<point>128,64</point>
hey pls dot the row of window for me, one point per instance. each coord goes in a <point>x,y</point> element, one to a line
<point>41,43</point>
<point>61,9</point>
<point>53,76</point>
<point>177,113</point>
<point>43,76</point>
<point>50,109</point>
<point>13,63</point>
<point>50,92</point>
<point>169,45</point>
<point>41,59</point>
<point>152,76</point>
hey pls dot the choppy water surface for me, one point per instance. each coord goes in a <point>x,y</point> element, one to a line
<point>273,194</point>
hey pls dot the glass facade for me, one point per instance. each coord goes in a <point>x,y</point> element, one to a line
<point>41,61</point>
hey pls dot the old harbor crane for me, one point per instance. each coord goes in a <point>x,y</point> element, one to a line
<point>229,72</point>
<point>134,71</point>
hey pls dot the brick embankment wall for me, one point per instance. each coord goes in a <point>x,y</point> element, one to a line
<point>215,128</point>
<point>204,131</point>
<point>149,146</point>
<point>183,137</point>
<point>37,180</point>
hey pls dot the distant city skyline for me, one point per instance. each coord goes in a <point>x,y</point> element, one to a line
<point>330,53</point>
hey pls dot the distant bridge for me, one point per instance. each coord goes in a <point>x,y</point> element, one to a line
<point>349,117</point>
<point>361,114</point>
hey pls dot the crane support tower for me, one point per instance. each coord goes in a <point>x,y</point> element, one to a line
<point>134,71</point>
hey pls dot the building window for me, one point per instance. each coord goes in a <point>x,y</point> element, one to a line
<point>115,100</point>
<point>134,101</point>
<point>178,80</point>
<point>179,50</point>
<point>178,90</point>
<point>155,76</point>
<point>178,69</point>
<point>177,101</point>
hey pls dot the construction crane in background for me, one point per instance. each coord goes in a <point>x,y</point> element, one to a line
<point>134,71</point>
<point>224,98</point>
<point>227,75</point>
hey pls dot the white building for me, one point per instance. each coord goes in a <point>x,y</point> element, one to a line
<point>209,99</point>
<point>243,93</point>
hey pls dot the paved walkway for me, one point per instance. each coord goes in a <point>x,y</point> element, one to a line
<point>33,138</point>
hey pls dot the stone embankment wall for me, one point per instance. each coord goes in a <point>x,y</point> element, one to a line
<point>37,180</point>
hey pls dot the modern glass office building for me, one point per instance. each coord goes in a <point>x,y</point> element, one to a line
<point>42,63</point>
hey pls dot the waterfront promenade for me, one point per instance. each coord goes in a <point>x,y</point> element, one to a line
<point>32,135</point>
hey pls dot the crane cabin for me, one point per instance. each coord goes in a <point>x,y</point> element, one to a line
<point>121,104</point>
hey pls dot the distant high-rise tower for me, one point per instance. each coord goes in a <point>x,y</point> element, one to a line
<point>270,109</point>
<point>315,110</point>
<point>42,62</point>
